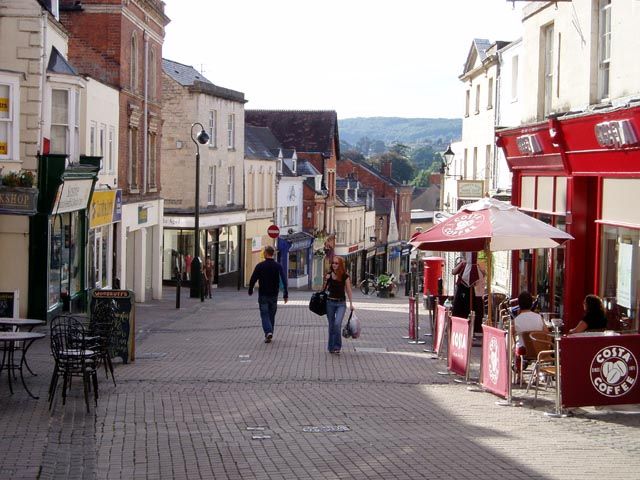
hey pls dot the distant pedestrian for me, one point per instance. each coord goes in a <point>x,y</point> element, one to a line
<point>338,286</point>
<point>208,276</point>
<point>268,274</point>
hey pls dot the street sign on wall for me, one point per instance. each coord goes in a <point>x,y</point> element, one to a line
<point>273,231</point>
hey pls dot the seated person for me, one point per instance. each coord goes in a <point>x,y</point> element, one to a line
<point>526,321</point>
<point>594,316</point>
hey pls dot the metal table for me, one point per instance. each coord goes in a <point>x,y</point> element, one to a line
<point>8,358</point>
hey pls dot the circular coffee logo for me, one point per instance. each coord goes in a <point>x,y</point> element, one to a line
<point>614,371</point>
<point>463,224</point>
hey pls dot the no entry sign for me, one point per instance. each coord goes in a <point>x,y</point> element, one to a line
<point>273,231</point>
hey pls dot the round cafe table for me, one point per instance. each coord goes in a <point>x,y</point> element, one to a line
<point>18,324</point>
<point>9,339</point>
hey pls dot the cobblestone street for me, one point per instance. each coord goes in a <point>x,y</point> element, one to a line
<point>207,398</point>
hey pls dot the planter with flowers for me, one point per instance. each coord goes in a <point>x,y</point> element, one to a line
<point>17,193</point>
<point>384,285</point>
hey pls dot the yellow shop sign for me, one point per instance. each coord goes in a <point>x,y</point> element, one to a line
<point>101,209</point>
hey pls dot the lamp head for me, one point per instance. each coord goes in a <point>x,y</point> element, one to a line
<point>203,137</point>
<point>448,156</point>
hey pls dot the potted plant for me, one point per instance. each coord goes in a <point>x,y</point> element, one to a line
<point>384,285</point>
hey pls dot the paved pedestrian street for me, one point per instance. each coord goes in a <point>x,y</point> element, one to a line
<point>207,398</point>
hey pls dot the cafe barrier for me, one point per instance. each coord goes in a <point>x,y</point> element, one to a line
<point>414,321</point>
<point>599,370</point>
<point>460,345</point>
<point>495,372</point>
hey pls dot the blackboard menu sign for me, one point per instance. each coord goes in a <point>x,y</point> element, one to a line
<point>123,340</point>
<point>8,304</point>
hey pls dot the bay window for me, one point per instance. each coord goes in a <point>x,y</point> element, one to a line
<point>9,117</point>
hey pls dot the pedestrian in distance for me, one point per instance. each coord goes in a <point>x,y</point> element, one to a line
<point>268,274</point>
<point>338,287</point>
<point>208,276</point>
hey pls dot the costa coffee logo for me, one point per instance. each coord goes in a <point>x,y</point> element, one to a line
<point>614,371</point>
<point>494,361</point>
<point>463,224</point>
<point>616,133</point>
<point>528,144</point>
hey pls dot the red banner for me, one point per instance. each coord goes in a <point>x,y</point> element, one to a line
<point>439,327</point>
<point>495,361</point>
<point>412,318</point>
<point>599,370</point>
<point>458,353</point>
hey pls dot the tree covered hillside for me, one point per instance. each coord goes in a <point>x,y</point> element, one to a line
<point>409,131</point>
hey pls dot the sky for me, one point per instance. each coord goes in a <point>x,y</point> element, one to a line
<point>362,58</point>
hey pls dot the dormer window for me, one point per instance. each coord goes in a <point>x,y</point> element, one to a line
<point>280,166</point>
<point>294,164</point>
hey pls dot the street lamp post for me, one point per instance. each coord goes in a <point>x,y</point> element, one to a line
<point>196,263</point>
<point>447,158</point>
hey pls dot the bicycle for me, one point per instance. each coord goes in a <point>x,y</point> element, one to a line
<point>369,285</point>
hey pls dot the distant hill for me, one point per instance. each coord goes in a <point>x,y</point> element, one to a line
<point>409,131</point>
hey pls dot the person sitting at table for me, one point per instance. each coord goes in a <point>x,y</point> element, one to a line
<point>594,315</point>
<point>526,321</point>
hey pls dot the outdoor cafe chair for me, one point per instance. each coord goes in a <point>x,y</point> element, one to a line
<point>72,358</point>
<point>535,341</point>
<point>544,367</point>
<point>100,333</point>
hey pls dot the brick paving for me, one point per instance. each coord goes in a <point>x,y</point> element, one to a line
<point>206,398</point>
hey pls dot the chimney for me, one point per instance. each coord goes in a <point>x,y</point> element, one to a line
<point>385,168</point>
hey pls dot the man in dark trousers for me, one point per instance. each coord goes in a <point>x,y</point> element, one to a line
<point>268,274</point>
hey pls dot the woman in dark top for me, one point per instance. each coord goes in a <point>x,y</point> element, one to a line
<point>338,286</point>
<point>594,316</point>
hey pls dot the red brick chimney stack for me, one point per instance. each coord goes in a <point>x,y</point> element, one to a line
<point>385,168</point>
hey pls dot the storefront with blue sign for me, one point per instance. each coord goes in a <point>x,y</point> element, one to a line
<point>295,255</point>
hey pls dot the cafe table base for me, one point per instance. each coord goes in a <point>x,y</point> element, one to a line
<point>10,339</point>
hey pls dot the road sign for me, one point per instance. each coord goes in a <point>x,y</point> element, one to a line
<point>273,231</point>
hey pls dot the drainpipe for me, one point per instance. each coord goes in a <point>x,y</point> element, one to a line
<point>145,123</point>
<point>43,78</point>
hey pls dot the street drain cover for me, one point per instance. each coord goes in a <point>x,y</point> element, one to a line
<point>151,355</point>
<point>326,428</point>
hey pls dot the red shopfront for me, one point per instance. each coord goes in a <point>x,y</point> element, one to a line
<point>581,173</point>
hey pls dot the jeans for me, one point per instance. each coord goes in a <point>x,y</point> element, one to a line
<point>268,307</point>
<point>335,314</point>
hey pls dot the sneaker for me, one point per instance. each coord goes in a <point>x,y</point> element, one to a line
<point>268,337</point>
<point>337,352</point>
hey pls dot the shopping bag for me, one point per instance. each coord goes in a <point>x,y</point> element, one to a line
<point>352,328</point>
<point>318,303</point>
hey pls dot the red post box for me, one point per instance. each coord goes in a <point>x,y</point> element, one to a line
<point>433,267</point>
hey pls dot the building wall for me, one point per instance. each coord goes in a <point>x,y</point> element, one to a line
<point>350,227</point>
<point>575,67</point>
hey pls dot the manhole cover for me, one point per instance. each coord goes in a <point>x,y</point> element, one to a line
<point>326,428</point>
<point>151,355</point>
<point>261,437</point>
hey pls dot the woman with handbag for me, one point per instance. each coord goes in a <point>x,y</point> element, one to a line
<point>338,286</point>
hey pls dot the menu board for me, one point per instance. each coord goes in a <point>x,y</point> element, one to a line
<point>8,304</point>
<point>123,340</point>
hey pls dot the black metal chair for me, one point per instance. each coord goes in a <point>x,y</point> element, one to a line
<point>101,328</point>
<point>72,358</point>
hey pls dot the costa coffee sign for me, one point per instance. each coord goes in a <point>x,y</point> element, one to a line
<point>616,134</point>
<point>614,371</point>
<point>528,144</point>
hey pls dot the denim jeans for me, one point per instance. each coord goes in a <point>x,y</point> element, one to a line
<point>335,314</point>
<point>268,306</point>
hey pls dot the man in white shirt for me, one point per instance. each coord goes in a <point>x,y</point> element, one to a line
<point>526,321</point>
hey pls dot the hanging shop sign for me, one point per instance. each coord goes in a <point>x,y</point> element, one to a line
<point>18,200</point>
<point>101,208</point>
<point>72,195</point>
<point>470,188</point>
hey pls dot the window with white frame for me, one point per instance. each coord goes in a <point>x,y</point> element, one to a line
<point>475,162</point>
<point>9,117</point>
<point>547,69</point>
<point>151,85</point>
<point>477,99</point>
<point>341,232</point>
<point>231,134</point>
<point>64,132</point>
<point>467,104</point>
<point>133,159</point>
<point>490,94</point>
<point>213,114</point>
<point>514,78</point>
<point>604,47</point>
<point>101,139</point>
<point>92,138</point>
<point>153,163</point>
<point>211,186</point>
<point>110,147</point>
<point>231,185</point>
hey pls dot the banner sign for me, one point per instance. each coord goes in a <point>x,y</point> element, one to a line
<point>599,370</point>
<point>440,326</point>
<point>495,361</point>
<point>458,354</point>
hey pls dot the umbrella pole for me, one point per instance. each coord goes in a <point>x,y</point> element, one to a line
<point>487,255</point>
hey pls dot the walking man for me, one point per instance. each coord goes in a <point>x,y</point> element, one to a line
<point>268,274</point>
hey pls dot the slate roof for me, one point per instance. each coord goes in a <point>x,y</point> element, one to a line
<point>187,76</point>
<point>310,131</point>
<point>259,143</point>
<point>306,168</point>
<point>383,206</point>
<point>59,64</point>
<point>377,173</point>
<point>311,183</point>
<point>482,45</point>
<point>426,198</point>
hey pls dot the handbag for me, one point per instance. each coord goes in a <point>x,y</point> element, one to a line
<point>352,328</point>
<point>318,303</point>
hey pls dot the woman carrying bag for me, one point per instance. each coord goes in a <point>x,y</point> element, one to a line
<point>338,286</point>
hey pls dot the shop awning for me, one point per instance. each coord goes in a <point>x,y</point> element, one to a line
<point>295,241</point>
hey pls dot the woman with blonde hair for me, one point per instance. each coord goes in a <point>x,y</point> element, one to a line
<point>338,286</point>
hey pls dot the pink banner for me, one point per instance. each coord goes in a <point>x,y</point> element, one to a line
<point>599,370</point>
<point>439,327</point>
<point>412,318</point>
<point>458,353</point>
<point>495,361</point>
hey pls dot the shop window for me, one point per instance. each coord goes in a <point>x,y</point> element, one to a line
<point>620,275</point>
<point>228,251</point>
<point>297,264</point>
<point>64,274</point>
